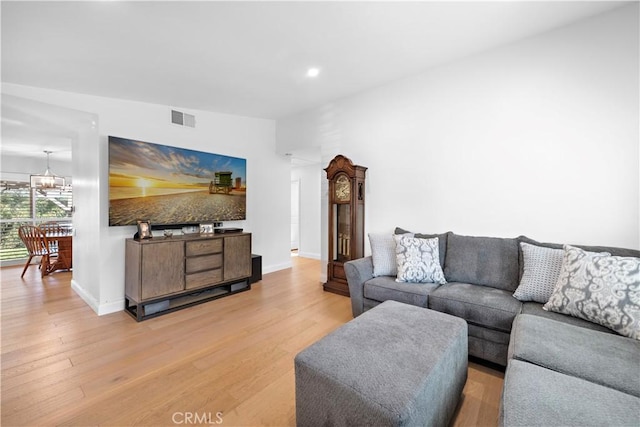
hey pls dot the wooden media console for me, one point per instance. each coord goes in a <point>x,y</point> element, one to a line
<point>165,274</point>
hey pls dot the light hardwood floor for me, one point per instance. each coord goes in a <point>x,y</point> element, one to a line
<point>229,360</point>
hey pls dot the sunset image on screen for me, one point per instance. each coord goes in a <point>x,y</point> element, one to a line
<point>170,185</point>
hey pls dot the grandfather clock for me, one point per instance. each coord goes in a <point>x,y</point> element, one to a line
<point>346,220</point>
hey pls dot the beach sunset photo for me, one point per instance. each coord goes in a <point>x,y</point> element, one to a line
<point>169,185</point>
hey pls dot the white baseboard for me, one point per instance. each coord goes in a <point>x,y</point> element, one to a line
<point>86,297</point>
<point>100,309</point>
<point>111,307</point>
<point>276,267</point>
<point>309,255</point>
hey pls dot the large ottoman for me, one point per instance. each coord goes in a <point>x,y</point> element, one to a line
<point>394,365</point>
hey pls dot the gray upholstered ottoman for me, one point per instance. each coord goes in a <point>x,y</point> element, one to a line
<point>395,364</point>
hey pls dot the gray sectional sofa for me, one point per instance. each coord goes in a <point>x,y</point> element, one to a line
<point>561,370</point>
<point>564,374</point>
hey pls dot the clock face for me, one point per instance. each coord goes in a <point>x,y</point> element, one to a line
<point>342,188</point>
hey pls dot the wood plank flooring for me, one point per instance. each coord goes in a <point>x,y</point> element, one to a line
<point>228,361</point>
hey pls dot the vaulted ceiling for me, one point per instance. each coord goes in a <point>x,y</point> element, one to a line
<point>252,58</point>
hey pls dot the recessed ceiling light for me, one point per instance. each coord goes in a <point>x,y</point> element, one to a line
<point>313,72</point>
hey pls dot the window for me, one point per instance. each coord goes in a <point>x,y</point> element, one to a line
<point>20,204</point>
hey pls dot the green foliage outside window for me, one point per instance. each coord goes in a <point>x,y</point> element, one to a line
<point>17,208</point>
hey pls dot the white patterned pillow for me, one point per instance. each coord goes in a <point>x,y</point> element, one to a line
<point>541,271</point>
<point>418,260</point>
<point>383,254</point>
<point>600,288</point>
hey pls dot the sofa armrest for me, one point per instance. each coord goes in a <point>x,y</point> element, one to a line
<point>358,271</point>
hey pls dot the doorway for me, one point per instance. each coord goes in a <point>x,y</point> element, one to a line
<point>295,216</point>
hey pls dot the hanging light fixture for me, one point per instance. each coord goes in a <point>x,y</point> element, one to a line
<point>48,179</point>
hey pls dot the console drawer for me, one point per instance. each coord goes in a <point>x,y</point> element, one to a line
<point>203,262</point>
<point>203,247</point>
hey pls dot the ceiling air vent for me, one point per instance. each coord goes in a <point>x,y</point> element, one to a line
<point>183,119</point>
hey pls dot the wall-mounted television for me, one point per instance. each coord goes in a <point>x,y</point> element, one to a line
<point>173,186</point>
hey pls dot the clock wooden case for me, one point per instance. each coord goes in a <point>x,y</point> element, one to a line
<point>346,220</point>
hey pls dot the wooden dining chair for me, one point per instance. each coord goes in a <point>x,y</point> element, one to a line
<point>37,245</point>
<point>51,227</point>
<point>50,230</point>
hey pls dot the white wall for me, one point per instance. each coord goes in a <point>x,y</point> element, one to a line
<point>15,167</point>
<point>310,178</point>
<point>539,137</point>
<point>268,179</point>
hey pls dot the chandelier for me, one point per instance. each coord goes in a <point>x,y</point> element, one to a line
<point>47,179</point>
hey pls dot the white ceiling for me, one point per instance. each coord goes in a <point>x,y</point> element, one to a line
<point>29,128</point>
<point>249,58</point>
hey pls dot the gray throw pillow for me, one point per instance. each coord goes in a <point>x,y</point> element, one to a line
<point>418,260</point>
<point>600,288</point>
<point>541,271</point>
<point>383,254</point>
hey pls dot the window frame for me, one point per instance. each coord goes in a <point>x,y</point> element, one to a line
<point>12,251</point>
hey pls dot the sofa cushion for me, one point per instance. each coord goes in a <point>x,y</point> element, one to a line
<point>607,359</point>
<point>385,288</point>
<point>600,288</point>
<point>383,254</point>
<point>488,261</point>
<point>536,396</point>
<point>536,309</point>
<point>442,241</point>
<point>418,260</point>
<point>541,271</point>
<point>610,249</point>
<point>479,305</point>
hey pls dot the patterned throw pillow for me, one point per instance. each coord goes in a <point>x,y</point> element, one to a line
<point>541,271</point>
<point>418,260</point>
<point>383,254</point>
<point>600,288</point>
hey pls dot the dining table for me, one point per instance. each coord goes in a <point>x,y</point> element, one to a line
<point>63,241</point>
